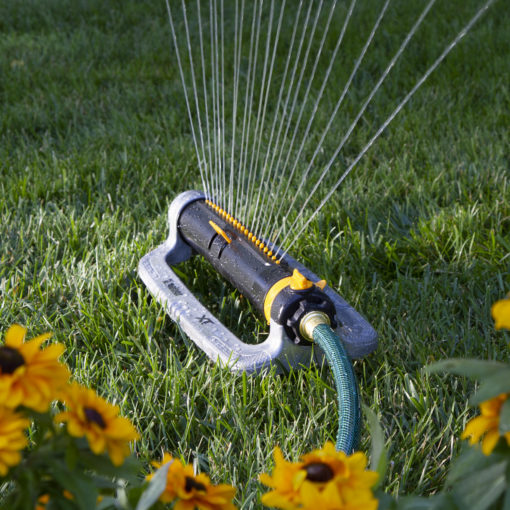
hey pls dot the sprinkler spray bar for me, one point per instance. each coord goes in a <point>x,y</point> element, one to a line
<point>276,290</point>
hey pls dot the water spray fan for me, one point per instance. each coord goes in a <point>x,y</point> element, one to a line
<point>301,309</point>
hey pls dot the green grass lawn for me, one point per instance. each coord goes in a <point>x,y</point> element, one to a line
<point>94,144</point>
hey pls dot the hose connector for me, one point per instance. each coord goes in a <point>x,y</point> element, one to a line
<point>310,321</point>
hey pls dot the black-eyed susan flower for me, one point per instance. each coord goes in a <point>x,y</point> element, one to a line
<point>190,491</point>
<point>30,376</point>
<point>487,425</point>
<point>91,416</point>
<point>324,479</point>
<point>12,438</point>
<point>501,313</point>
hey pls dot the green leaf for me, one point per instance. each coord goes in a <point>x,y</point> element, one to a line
<point>60,504</point>
<point>506,501</point>
<point>102,465</point>
<point>378,454</point>
<point>72,455</point>
<point>386,502</point>
<point>492,386</point>
<point>444,501</point>
<point>154,489</point>
<point>23,494</point>
<point>469,460</point>
<point>108,503</point>
<point>76,482</point>
<point>473,368</point>
<point>44,424</point>
<point>129,496</point>
<point>421,503</point>
<point>481,488</point>
<point>504,418</point>
<point>104,483</point>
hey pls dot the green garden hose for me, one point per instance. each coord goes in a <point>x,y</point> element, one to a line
<point>349,414</point>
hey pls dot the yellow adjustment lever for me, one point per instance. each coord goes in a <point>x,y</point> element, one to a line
<point>299,282</point>
<point>321,284</point>
<point>220,231</point>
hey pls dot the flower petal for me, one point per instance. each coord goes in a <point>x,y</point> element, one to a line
<point>31,348</point>
<point>15,335</point>
<point>492,407</point>
<point>501,314</point>
<point>490,441</point>
<point>475,428</point>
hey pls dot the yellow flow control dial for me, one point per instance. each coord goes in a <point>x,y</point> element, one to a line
<point>296,282</point>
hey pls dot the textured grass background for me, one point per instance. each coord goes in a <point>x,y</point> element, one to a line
<point>94,144</point>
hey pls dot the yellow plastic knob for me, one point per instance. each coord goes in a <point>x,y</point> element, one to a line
<point>299,282</point>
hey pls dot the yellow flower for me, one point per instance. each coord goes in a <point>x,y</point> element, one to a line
<point>91,416</point>
<point>30,376</point>
<point>193,491</point>
<point>12,438</point>
<point>324,479</point>
<point>286,480</point>
<point>487,425</point>
<point>43,500</point>
<point>501,313</point>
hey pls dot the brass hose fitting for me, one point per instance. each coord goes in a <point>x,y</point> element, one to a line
<point>310,321</point>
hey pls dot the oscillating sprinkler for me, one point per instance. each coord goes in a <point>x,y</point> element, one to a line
<point>301,309</point>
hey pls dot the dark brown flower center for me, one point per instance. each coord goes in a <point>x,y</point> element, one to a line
<point>191,483</point>
<point>10,360</point>
<point>94,417</point>
<point>318,472</point>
